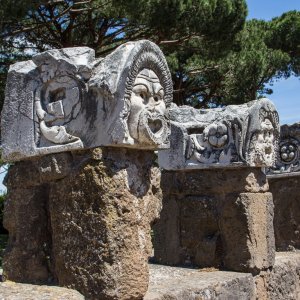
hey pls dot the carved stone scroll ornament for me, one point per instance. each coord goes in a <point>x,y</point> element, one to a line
<point>234,136</point>
<point>288,152</point>
<point>212,146</point>
<point>57,103</point>
<point>43,100</point>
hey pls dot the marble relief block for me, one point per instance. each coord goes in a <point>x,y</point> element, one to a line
<point>66,100</point>
<point>233,136</point>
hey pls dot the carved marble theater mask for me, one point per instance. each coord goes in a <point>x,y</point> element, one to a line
<point>66,100</point>
<point>132,89</point>
<point>147,123</point>
<point>43,100</point>
<point>262,146</point>
<point>262,137</point>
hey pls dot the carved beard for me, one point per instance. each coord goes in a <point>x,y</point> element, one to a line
<point>152,128</point>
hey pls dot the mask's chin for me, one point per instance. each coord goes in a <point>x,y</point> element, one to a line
<point>153,129</point>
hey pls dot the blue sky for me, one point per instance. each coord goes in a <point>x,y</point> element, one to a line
<point>286,93</point>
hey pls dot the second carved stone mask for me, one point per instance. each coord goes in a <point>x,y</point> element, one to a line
<point>262,145</point>
<point>146,122</point>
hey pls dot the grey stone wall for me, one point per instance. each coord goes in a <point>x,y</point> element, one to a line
<point>286,198</point>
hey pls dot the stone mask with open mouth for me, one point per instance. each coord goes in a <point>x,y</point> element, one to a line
<point>147,123</point>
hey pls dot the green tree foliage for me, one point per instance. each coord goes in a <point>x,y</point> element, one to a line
<point>215,56</point>
<point>180,27</point>
<point>261,53</point>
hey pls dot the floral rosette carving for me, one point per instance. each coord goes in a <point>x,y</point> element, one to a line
<point>216,135</point>
<point>288,152</point>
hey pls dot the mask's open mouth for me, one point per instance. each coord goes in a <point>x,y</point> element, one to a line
<point>155,125</point>
<point>153,129</point>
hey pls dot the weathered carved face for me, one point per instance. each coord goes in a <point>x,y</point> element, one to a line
<point>262,150</point>
<point>146,122</point>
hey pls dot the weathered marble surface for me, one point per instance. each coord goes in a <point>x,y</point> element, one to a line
<point>176,283</point>
<point>64,100</point>
<point>234,136</point>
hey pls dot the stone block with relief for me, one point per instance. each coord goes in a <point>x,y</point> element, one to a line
<point>233,136</point>
<point>66,100</point>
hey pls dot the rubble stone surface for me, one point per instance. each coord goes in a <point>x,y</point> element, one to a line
<point>175,283</point>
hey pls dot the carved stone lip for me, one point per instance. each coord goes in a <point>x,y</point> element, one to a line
<point>153,128</point>
<point>155,125</point>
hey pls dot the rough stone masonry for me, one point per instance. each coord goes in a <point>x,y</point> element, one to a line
<point>78,217</point>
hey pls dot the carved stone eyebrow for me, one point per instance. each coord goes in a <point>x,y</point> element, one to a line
<point>139,84</point>
<point>148,78</point>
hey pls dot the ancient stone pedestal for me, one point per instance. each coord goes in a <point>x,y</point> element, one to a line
<point>217,211</point>
<point>216,218</point>
<point>83,221</point>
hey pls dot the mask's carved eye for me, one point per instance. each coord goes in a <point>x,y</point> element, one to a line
<point>161,94</point>
<point>156,98</point>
